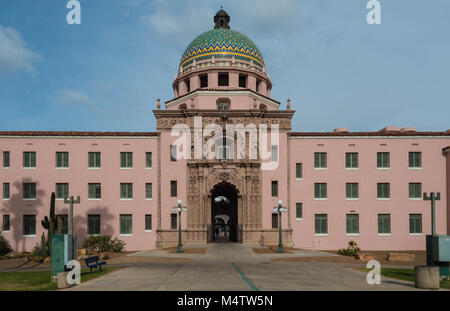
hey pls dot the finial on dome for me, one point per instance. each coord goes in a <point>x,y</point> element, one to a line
<point>222,20</point>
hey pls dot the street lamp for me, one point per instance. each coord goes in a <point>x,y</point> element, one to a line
<point>179,209</point>
<point>279,209</point>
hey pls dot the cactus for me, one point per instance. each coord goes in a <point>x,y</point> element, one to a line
<point>49,223</point>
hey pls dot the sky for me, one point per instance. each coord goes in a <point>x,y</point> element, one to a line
<point>106,73</point>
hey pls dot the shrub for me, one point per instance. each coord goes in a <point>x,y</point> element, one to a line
<point>5,248</point>
<point>103,243</point>
<point>351,250</point>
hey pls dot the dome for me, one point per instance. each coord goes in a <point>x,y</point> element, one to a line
<point>222,42</point>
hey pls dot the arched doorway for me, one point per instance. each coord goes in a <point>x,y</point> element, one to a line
<point>224,212</point>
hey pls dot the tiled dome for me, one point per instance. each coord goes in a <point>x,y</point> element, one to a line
<point>222,42</point>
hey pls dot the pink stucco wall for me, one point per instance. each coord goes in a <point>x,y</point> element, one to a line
<point>431,175</point>
<point>78,175</point>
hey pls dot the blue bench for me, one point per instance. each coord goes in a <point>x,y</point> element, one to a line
<point>93,262</point>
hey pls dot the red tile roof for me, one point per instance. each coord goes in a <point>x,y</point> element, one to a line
<point>71,133</point>
<point>378,133</point>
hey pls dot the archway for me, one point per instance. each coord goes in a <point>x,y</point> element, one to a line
<point>224,212</point>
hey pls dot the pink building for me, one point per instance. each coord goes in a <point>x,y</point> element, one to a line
<point>337,186</point>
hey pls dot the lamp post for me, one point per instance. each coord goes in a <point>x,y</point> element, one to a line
<point>433,198</point>
<point>279,209</point>
<point>179,209</point>
<point>71,202</point>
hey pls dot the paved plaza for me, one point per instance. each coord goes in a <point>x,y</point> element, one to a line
<point>232,266</point>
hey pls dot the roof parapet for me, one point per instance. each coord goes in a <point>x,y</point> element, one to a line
<point>341,130</point>
<point>391,129</point>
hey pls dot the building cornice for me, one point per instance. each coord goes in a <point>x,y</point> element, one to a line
<point>368,135</point>
<point>223,92</point>
<point>78,135</point>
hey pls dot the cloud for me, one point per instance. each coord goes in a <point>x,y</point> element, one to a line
<point>71,97</point>
<point>14,53</point>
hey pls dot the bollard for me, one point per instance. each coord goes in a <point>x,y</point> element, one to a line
<point>426,277</point>
<point>61,280</point>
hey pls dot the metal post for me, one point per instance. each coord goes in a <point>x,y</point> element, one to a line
<point>180,245</point>
<point>433,198</point>
<point>71,202</point>
<point>280,243</point>
<point>280,209</point>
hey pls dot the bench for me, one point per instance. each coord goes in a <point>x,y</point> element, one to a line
<point>93,262</point>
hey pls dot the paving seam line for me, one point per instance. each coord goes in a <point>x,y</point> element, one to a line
<point>243,277</point>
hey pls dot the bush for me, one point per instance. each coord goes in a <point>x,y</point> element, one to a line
<point>352,249</point>
<point>103,243</point>
<point>5,248</point>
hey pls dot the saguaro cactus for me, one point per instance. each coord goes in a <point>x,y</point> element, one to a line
<point>49,223</point>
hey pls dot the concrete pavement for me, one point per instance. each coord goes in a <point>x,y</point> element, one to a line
<point>231,266</point>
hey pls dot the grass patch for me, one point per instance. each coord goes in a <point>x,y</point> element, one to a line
<point>40,280</point>
<point>404,274</point>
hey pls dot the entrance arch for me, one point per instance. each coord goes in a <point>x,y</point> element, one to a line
<point>224,212</point>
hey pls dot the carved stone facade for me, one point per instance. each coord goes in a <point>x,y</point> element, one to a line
<point>203,175</point>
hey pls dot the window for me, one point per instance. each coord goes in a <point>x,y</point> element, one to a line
<point>188,85</point>
<point>173,188</point>
<point>148,160</point>
<point>204,81</point>
<point>299,210</point>
<point>351,160</point>
<point>95,191</point>
<point>320,190</point>
<point>126,191</point>
<point>126,224</point>
<point>148,222</point>
<point>352,224</point>
<point>274,150</point>
<point>148,191</point>
<point>384,223</point>
<point>6,193</point>
<point>93,224</point>
<point>320,160</point>
<point>94,160</point>
<point>274,188</point>
<point>415,190</point>
<point>29,224</point>
<point>222,105</point>
<point>415,159</point>
<point>173,153</point>
<point>62,159</point>
<point>223,79</point>
<point>62,190</point>
<point>223,149</point>
<point>126,159</point>
<point>352,190</point>
<point>321,223</point>
<point>298,170</point>
<point>29,191</point>
<point>415,223</point>
<point>63,221</point>
<point>29,159</point>
<point>6,223</point>
<point>173,221</point>
<point>274,220</point>
<point>6,159</point>
<point>383,191</point>
<point>243,81</point>
<point>383,159</point>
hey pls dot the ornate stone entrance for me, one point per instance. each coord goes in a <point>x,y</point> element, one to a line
<point>224,212</point>
<point>239,180</point>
